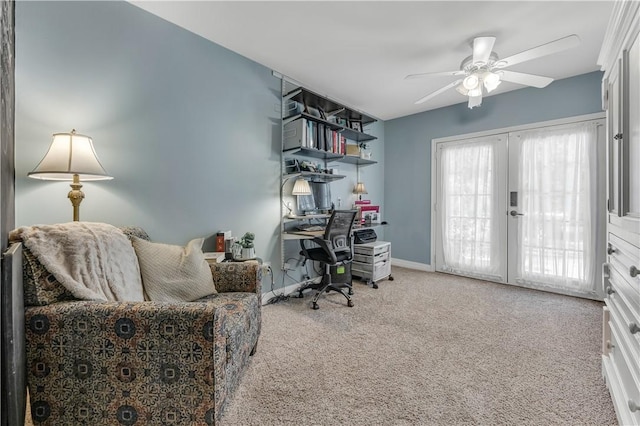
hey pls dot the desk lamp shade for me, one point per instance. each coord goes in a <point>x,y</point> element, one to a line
<point>360,189</point>
<point>71,157</point>
<point>301,187</point>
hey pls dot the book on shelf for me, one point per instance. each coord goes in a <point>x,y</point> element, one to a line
<point>367,213</point>
<point>221,236</point>
<point>303,133</point>
<point>214,257</point>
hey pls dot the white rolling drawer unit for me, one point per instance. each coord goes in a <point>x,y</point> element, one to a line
<point>620,60</point>
<point>372,261</point>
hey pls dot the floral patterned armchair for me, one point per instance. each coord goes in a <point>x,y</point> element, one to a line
<point>91,362</point>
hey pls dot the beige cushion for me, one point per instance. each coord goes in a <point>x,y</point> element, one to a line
<point>173,273</point>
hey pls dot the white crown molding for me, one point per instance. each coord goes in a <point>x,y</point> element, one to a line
<point>624,24</point>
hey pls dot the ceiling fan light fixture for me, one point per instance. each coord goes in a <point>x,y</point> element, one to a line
<point>491,81</point>
<point>474,93</point>
<point>471,82</point>
<point>462,90</point>
<point>475,101</point>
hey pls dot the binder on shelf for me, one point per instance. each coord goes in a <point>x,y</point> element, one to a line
<point>321,137</point>
<point>304,133</point>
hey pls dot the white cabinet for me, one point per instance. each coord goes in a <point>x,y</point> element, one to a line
<point>620,60</point>
<point>372,261</point>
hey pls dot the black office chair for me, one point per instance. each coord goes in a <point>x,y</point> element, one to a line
<point>333,250</point>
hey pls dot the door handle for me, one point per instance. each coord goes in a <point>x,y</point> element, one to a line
<point>633,271</point>
<point>515,213</point>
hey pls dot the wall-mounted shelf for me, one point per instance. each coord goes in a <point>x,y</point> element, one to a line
<point>353,159</point>
<point>316,127</point>
<point>315,153</point>
<point>307,97</point>
<point>313,177</point>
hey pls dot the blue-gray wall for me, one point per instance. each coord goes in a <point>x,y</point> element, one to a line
<point>189,129</point>
<point>407,186</point>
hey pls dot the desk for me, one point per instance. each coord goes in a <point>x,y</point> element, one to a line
<point>301,235</point>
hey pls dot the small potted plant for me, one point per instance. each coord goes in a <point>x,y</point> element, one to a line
<point>246,242</point>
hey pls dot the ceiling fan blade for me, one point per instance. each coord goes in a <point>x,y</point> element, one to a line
<point>482,47</point>
<point>526,79</point>
<point>437,92</point>
<point>434,74</point>
<point>537,52</point>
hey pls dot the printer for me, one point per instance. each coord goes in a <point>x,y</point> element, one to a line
<point>363,236</point>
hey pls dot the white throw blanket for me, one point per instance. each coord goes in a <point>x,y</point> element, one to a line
<point>94,261</point>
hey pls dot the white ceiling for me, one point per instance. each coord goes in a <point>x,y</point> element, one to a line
<point>358,52</point>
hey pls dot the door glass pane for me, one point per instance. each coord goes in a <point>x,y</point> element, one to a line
<point>557,231</point>
<point>632,161</point>
<point>470,233</point>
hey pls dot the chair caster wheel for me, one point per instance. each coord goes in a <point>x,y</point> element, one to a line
<point>375,285</point>
<point>315,306</point>
<point>350,303</point>
<point>390,278</point>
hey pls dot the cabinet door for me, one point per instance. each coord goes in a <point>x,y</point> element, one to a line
<point>613,140</point>
<point>631,133</point>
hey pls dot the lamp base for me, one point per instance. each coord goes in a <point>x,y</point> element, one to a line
<point>76,196</point>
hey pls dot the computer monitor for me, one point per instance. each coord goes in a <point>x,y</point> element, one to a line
<point>318,202</point>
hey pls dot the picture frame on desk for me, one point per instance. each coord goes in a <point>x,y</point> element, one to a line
<point>356,125</point>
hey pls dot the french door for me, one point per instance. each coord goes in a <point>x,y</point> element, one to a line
<point>521,207</point>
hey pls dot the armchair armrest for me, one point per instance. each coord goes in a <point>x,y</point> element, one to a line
<point>237,276</point>
<point>113,362</point>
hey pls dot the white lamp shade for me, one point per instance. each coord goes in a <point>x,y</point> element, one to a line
<point>70,154</point>
<point>301,187</point>
<point>360,188</point>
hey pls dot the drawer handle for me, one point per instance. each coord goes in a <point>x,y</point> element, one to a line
<point>605,273</point>
<point>610,250</point>
<point>633,406</point>
<point>633,271</point>
<point>633,328</point>
<point>610,290</point>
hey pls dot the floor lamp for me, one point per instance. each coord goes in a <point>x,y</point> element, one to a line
<point>71,157</point>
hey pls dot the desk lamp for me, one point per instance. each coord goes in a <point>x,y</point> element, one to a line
<point>71,157</point>
<point>301,187</point>
<point>360,189</point>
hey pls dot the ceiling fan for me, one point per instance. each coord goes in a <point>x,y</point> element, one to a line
<point>485,69</point>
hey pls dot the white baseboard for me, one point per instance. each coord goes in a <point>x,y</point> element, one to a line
<point>412,265</point>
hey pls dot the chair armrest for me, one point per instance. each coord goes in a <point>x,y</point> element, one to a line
<point>237,276</point>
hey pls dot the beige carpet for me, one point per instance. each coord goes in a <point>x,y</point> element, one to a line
<point>427,349</point>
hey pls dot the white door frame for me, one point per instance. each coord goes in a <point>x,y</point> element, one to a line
<point>601,219</point>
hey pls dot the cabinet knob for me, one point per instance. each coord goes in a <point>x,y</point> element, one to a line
<point>618,136</point>
<point>633,328</point>
<point>610,346</point>
<point>633,406</point>
<point>610,290</point>
<point>633,271</point>
<point>610,250</point>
